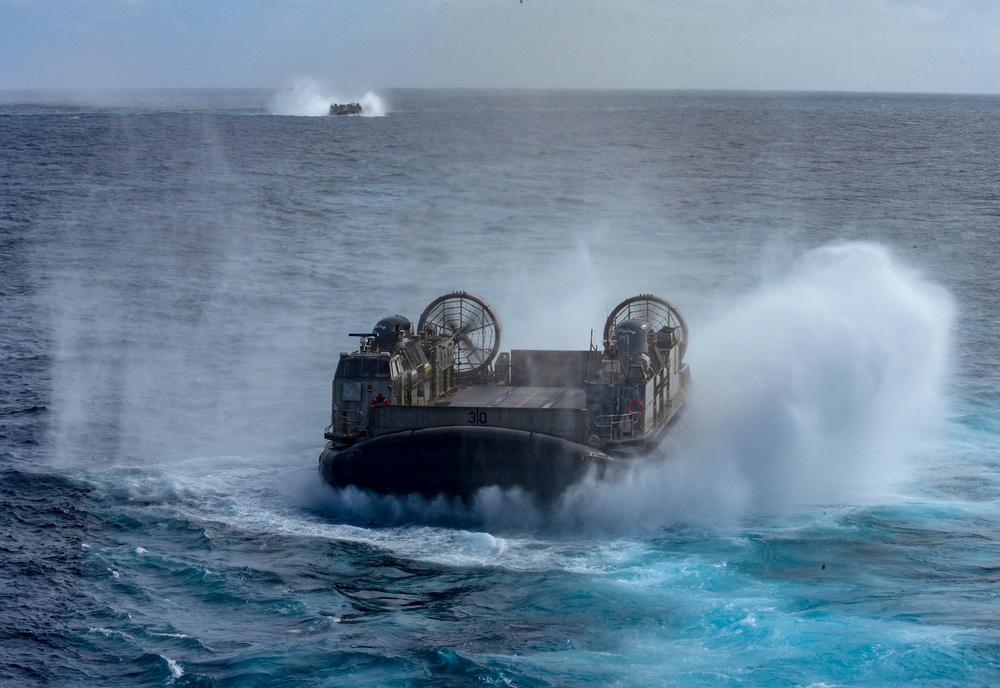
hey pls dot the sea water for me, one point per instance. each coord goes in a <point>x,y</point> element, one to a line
<point>179,271</point>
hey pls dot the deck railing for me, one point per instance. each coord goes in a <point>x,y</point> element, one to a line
<point>346,422</point>
<point>618,426</point>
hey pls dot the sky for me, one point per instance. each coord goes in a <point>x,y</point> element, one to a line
<point>933,46</point>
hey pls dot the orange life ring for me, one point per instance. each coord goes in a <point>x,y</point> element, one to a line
<point>380,399</point>
<point>636,405</point>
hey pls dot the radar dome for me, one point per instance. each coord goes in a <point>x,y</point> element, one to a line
<point>631,336</point>
<point>389,332</point>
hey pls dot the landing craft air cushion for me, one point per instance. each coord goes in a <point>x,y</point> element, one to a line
<point>345,108</point>
<point>440,410</point>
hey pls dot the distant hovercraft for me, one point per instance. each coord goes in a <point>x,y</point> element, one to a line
<point>439,410</point>
<point>345,108</point>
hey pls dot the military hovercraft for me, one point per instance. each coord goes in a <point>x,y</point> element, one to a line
<point>345,108</point>
<point>440,410</point>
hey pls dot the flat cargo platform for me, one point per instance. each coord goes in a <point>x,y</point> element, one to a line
<point>487,396</point>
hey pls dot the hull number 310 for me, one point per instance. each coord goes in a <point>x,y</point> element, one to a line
<point>478,417</point>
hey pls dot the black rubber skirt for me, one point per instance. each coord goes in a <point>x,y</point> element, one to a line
<point>458,461</point>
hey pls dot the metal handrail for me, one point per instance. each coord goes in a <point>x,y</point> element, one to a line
<point>345,421</point>
<point>349,415</point>
<point>613,425</point>
<point>612,420</point>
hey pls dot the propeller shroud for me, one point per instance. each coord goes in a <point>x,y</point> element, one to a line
<point>655,310</point>
<point>473,324</point>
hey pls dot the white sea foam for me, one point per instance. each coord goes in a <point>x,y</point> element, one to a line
<point>176,670</point>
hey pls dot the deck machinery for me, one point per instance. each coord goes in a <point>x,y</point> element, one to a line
<point>438,409</point>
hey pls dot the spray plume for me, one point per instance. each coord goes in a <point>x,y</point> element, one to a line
<point>820,388</point>
<point>305,97</point>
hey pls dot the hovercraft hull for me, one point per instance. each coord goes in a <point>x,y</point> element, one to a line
<point>459,461</point>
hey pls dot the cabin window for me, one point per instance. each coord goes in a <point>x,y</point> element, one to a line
<point>363,367</point>
<point>375,367</point>
<point>349,367</point>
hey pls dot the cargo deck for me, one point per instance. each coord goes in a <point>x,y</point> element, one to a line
<point>488,396</point>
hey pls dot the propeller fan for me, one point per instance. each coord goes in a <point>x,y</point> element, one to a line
<point>471,322</point>
<point>656,311</point>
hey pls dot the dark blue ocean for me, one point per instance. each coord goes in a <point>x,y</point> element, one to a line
<point>179,271</point>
